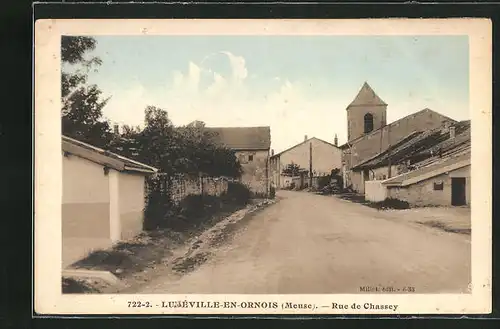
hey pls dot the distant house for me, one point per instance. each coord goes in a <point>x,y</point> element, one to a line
<point>103,198</point>
<point>428,168</point>
<point>251,145</point>
<point>369,134</point>
<point>321,155</point>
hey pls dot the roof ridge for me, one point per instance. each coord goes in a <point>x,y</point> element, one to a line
<point>105,152</point>
<point>298,144</point>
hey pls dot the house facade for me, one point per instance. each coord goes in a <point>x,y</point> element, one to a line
<point>313,153</point>
<point>446,182</point>
<point>428,168</point>
<point>370,135</point>
<point>103,199</point>
<point>251,146</point>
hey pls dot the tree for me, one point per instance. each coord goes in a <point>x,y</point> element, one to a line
<point>200,154</point>
<point>292,170</point>
<point>176,150</point>
<point>156,142</point>
<point>82,104</point>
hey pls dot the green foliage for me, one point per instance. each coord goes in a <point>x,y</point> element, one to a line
<point>237,193</point>
<point>391,203</point>
<point>323,181</point>
<point>177,150</point>
<point>74,49</point>
<point>159,205</point>
<point>195,206</point>
<point>292,170</point>
<point>81,112</point>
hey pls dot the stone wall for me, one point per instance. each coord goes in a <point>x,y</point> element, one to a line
<point>184,186</point>
<point>423,193</point>
<point>256,175</point>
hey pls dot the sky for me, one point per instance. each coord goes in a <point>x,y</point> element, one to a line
<point>297,85</point>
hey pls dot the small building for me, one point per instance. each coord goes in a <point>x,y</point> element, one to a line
<point>415,150</point>
<point>314,153</point>
<point>103,199</point>
<point>427,168</point>
<point>441,183</point>
<point>251,146</point>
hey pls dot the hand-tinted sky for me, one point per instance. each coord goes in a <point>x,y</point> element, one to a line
<point>298,85</point>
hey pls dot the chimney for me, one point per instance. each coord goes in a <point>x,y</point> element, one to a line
<point>272,152</point>
<point>452,132</point>
<point>116,129</point>
<point>336,141</point>
<point>305,138</point>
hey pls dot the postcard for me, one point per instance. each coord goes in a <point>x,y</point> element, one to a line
<point>263,167</point>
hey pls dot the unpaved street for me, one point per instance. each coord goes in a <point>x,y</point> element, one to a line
<point>308,243</point>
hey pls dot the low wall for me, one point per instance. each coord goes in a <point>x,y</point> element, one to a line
<point>182,186</point>
<point>375,191</point>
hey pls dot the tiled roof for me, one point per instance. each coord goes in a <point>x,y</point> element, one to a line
<point>291,148</point>
<point>242,138</point>
<point>432,170</point>
<point>422,145</point>
<point>366,96</point>
<point>462,138</point>
<point>103,157</point>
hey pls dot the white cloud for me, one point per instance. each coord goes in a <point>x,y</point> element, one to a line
<point>290,109</point>
<point>127,106</point>
<point>238,66</point>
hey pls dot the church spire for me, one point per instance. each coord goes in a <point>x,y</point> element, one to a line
<point>366,96</point>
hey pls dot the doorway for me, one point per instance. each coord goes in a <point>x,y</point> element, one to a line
<point>458,191</point>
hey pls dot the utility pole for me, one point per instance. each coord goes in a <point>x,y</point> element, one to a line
<point>310,164</point>
<point>389,152</point>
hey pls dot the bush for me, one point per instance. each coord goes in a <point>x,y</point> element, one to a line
<point>323,181</point>
<point>193,206</point>
<point>237,193</point>
<point>392,203</point>
<point>158,208</point>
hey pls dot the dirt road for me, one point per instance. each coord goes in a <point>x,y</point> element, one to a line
<point>308,243</point>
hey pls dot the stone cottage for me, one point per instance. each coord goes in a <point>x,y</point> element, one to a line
<point>102,198</point>
<point>313,152</point>
<point>252,146</point>
<point>428,168</point>
<point>370,135</point>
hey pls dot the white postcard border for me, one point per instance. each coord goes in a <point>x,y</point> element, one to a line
<point>48,167</point>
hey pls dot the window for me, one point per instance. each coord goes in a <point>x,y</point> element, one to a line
<point>250,157</point>
<point>438,186</point>
<point>368,122</point>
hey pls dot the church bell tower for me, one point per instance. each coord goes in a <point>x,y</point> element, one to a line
<point>366,113</point>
